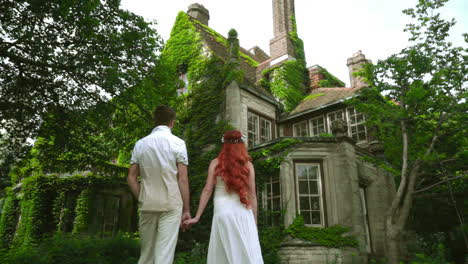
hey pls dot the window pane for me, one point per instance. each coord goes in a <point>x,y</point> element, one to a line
<point>276,189</point>
<point>313,187</point>
<point>303,187</point>
<point>276,204</point>
<point>302,172</point>
<point>306,216</point>
<point>305,203</point>
<point>316,218</point>
<point>312,171</point>
<point>315,203</point>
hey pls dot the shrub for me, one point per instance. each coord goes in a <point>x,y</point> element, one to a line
<point>67,249</point>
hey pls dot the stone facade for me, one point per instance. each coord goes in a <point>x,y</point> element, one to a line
<point>350,191</point>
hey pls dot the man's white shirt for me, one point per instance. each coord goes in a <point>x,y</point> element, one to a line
<point>157,156</point>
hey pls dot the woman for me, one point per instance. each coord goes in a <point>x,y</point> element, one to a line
<point>234,235</point>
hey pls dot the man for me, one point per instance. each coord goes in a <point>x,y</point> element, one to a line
<point>161,160</point>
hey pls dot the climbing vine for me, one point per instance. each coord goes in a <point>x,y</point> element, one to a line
<point>288,80</point>
<point>267,161</point>
<point>334,236</point>
<point>329,80</point>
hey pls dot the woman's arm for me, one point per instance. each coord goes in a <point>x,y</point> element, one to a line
<point>205,195</point>
<point>252,189</point>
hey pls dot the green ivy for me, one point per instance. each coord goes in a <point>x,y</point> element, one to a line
<point>287,81</point>
<point>329,80</point>
<point>8,219</point>
<point>313,96</point>
<point>333,237</point>
<point>82,210</point>
<point>219,38</point>
<point>267,161</point>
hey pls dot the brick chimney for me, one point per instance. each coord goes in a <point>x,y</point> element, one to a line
<point>315,76</point>
<point>281,46</point>
<point>199,12</point>
<point>355,64</point>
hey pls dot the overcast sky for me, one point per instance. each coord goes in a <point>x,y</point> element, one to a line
<point>332,30</point>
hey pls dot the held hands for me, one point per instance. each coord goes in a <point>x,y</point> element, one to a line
<point>188,223</point>
<point>185,217</point>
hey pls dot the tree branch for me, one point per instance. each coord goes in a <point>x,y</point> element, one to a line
<point>436,184</point>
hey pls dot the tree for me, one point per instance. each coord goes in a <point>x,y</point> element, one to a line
<point>414,99</point>
<point>69,55</point>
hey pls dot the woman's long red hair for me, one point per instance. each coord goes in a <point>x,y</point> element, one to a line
<point>233,165</point>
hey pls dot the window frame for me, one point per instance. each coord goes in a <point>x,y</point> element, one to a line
<point>311,125</point>
<point>320,193</point>
<point>357,124</point>
<point>329,121</point>
<point>298,124</point>
<point>269,200</point>
<point>259,138</point>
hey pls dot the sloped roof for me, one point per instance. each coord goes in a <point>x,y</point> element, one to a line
<point>321,97</point>
<point>218,44</point>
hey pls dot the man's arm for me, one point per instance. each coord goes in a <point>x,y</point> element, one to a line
<point>184,190</point>
<point>132,179</point>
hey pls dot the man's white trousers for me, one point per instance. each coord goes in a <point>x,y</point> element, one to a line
<point>158,236</point>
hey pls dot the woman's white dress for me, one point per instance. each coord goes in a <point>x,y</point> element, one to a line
<point>234,234</point>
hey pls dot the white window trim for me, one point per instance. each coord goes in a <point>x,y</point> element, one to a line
<point>258,127</point>
<point>348,122</point>
<point>320,190</point>
<point>299,123</point>
<point>311,126</point>
<point>266,199</point>
<point>330,113</point>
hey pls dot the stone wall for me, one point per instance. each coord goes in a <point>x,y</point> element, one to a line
<point>239,102</point>
<point>352,188</point>
<point>295,251</point>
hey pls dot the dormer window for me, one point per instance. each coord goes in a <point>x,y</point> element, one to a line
<point>183,84</point>
<point>300,129</point>
<point>356,125</point>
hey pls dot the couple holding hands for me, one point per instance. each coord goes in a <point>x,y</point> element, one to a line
<point>160,159</point>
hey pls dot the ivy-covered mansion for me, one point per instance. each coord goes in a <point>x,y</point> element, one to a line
<point>308,144</point>
<point>311,149</point>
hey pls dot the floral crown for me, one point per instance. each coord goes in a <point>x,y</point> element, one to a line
<point>237,140</point>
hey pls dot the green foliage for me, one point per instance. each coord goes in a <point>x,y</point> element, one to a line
<point>196,255</point>
<point>42,208</point>
<point>8,219</point>
<point>270,240</point>
<point>286,82</point>
<point>334,236</point>
<point>67,54</point>
<point>329,80</point>
<point>267,161</point>
<point>312,96</point>
<point>435,257</point>
<point>416,106</point>
<point>219,38</point>
<point>66,249</point>
<point>82,210</point>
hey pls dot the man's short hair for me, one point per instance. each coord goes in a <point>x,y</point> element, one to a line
<point>163,115</point>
